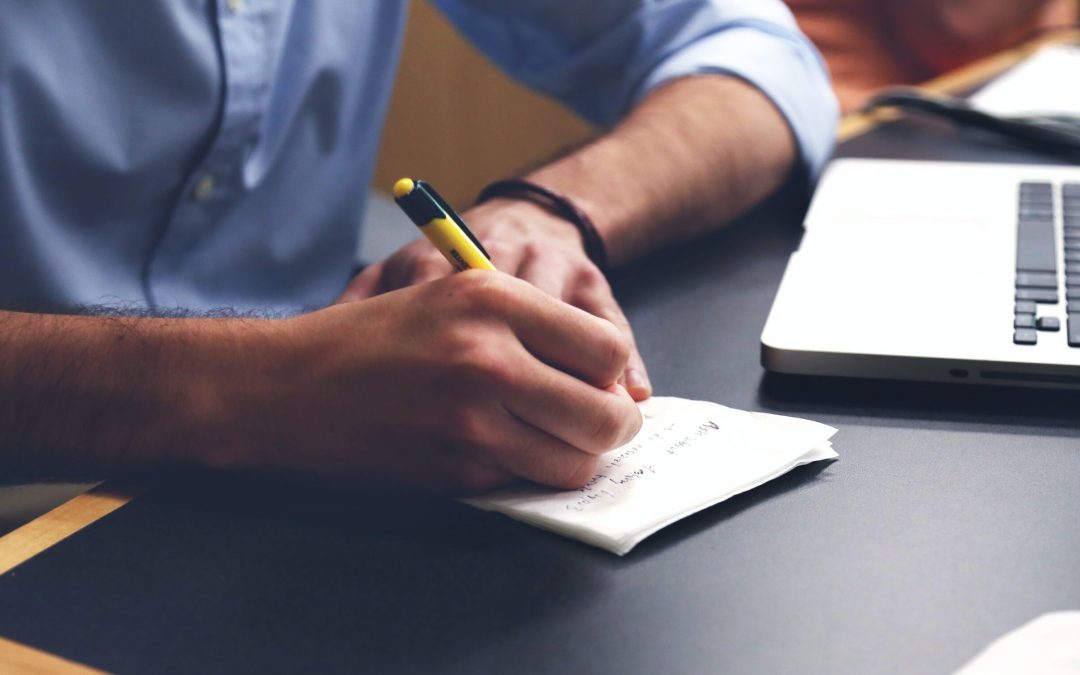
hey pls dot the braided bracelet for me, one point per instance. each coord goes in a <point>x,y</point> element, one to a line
<point>556,204</point>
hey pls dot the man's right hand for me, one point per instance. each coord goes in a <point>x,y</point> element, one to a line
<point>459,385</point>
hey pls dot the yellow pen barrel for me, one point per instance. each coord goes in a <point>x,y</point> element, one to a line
<point>455,245</point>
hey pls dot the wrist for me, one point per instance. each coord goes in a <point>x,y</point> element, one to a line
<point>229,374</point>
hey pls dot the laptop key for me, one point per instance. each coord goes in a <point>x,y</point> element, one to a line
<point>1049,323</point>
<point>1036,280</point>
<point>1044,295</point>
<point>1024,321</point>
<point>1072,256</point>
<point>1025,307</point>
<point>1035,248</point>
<point>1074,330</point>
<point>1025,336</point>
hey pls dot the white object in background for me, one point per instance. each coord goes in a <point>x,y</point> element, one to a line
<point>1047,645</point>
<point>688,456</point>
<point>1046,83</point>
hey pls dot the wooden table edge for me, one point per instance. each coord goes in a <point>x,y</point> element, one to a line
<point>47,530</point>
<point>18,658</point>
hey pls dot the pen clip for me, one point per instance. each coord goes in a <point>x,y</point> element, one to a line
<point>451,214</point>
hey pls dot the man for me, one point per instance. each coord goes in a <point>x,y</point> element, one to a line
<point>177,158</point>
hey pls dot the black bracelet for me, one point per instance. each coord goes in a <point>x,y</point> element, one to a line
<point>557,204</point>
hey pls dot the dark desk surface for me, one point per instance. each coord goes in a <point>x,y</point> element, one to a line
<point>951,517</point>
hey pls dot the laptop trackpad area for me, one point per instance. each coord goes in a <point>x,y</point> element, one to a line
<point>921,288</point>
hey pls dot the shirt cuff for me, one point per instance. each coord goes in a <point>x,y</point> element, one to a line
<point>787,69</point>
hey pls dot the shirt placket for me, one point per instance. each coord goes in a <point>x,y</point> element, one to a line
<point>217,179</point>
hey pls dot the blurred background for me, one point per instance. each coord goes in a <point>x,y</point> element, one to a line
<point>464,124</point>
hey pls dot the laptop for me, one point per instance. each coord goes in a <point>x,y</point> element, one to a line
<point>935,271</point>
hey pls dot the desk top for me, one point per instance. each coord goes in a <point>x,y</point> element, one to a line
<point>950,519</point>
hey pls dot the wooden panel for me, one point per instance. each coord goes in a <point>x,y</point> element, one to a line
<point>18,658</point>
<point>458,122</point>
<point>38,535</point>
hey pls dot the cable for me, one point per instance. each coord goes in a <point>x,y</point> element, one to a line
<point>1057,134</point>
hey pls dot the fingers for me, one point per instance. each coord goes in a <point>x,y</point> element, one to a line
<point>567,337</point>
<point>364,285</point>
<point>523,450</point>
<point>594,296</point>
<point>414,264</point>
<point>587,418</point>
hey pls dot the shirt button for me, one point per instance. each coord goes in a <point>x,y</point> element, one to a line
<point>203,187</point>
<point>235,5</point>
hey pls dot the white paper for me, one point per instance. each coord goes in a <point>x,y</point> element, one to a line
<point>688,456</point>
<point>1046,83</point>
<point>1047,645</point>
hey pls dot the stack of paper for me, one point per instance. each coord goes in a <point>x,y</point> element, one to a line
<point>688,456</point>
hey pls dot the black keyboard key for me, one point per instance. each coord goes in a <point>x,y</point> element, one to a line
<point>1072,268</point>
<point>1026,336</point>
<point>1024,321</point>
<point>1025,307</point>
<point>1070,189</point>
<point>1050,323</point>
<point>1072,281</point>
<point>1071,294</point>
<point>1036,280</point>
<point>1074,330</point>
<point>1045,295</point>
<point>1072,256</point>
<point>1035,248</point>
<point>1035,187</point>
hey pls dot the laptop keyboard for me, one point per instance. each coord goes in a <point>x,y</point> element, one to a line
<point>1037,272</point>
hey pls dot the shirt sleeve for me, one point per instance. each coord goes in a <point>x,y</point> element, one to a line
<point>599,57</point>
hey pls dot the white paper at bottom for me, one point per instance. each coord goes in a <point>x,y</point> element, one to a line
<point>688,456</point>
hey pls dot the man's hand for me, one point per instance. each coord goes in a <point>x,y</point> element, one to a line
<point>460,385</point>
<point>528,242</point>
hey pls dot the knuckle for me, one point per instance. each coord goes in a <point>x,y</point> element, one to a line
<point>481,290</point>
<point>608,431</point>
<point>590,278</point>
<point>617,347</point>
<point>428,266</point>
<point>481,363</point>
<point>468,427</point>
<point>499,249</point>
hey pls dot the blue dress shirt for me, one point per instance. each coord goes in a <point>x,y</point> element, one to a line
<point>177,153</point>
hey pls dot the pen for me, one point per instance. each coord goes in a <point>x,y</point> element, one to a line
<point>442,227</point>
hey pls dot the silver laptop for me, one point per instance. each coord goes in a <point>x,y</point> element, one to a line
<point>940,271</point>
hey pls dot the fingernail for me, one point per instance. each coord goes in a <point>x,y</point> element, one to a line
<point>637,381</point>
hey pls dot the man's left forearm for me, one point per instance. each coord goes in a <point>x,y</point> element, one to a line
<point>691,156</point>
